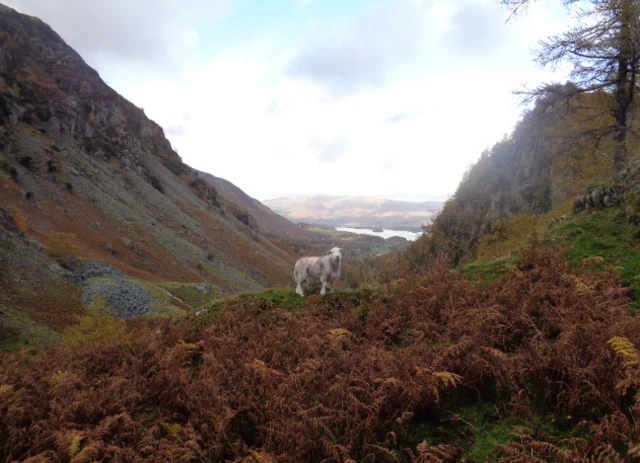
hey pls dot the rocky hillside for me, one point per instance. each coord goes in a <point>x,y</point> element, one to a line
<point>356,211</point>
<point>85,174</point>
<point>265,219</point>
<point>558,152</point>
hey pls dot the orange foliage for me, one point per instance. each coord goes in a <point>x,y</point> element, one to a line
<point>343,380</point>
<point>506,235</point>
<point>21,222</point>
<point>62,247</point>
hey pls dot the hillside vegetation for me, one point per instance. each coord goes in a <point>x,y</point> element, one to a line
<point>530,179</point>
<point>541,367</point>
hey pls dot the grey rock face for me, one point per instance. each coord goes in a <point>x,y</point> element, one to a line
<point>124,298</point>
<point>602,196</point>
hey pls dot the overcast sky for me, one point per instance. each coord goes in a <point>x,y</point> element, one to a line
<point>392,98</point>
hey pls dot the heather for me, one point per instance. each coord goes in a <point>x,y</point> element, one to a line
<point>541,366</point>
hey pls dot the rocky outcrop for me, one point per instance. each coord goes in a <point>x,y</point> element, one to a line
<point>599,197</point>
<point>125,299</point>
<point>623,191</point>
<point>45,81</point>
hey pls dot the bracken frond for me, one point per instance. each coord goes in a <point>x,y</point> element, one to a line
<point>5,389</point>
<point>592,261</point>
<point>187,345</point>
<point>57,377</point>
<point>262,457</point>
<point>258,365</point>
<point>449,379</point>
<point>74,448</point>
<point>88,454</point>
<point>173,429</point>
<point>339,332</point>
<point>423,447</point>
<point>582,288</point>
<point>634,451</point>
<point>622,346</point>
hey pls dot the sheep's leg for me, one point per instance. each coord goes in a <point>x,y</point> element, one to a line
<point>324,287</point>
<point>299,290</point>
<point>332,285</point>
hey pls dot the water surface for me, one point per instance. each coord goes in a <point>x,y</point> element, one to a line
<point>411,236</point>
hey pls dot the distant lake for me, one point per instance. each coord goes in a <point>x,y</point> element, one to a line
<point>411,236</point>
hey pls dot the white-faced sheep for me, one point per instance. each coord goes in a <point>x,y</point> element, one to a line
<point>313,271</point>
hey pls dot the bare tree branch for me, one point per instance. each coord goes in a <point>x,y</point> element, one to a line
<point>604,52</point>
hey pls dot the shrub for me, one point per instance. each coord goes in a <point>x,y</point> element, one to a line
<point>63,248</point>
<point>155,182</point>
<point>43,113</point>
<point>174,166</point>
<point>97,326</point>
<point>21,222</point>
<point>26,162</point>
<point>506,235</point>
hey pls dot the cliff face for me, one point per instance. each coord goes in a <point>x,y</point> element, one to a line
<point>556,153</point>
<point>84,169</point>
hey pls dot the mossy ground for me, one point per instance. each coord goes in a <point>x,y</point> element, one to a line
<point>489,272</point>
<point>600,240</point>
<point>593,241</point>
<point>479,427</point>
<point>23,332</point>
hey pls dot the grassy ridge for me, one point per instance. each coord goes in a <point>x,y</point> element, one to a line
<point>601,240</point>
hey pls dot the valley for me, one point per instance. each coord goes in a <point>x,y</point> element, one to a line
<point>148,310</point>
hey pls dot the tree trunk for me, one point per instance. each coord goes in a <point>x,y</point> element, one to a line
<point>624,84</point>
<point>620,153</point>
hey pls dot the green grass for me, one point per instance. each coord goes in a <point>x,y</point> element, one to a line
<point>599,240</point>
<point>258,303</point>
<point>489,272</point>
<point>190,294</point>
<point>287,300</point>
<point>387,248</point>
<point>478,428</point>
<point>29,335</point>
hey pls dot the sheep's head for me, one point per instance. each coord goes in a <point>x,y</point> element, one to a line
<point>336,254</point>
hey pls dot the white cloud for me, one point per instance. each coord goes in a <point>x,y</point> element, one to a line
<point>150,32</point>
<point>274,134</point>
<point>371,109</point>
<point>361,54</point>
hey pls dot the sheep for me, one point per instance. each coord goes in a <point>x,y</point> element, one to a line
<point>311,271</point>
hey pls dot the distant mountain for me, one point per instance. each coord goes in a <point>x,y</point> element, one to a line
<point>83,171</point>
<point>356,211</point>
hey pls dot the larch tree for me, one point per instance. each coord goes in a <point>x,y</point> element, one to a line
<point>603,50</point>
